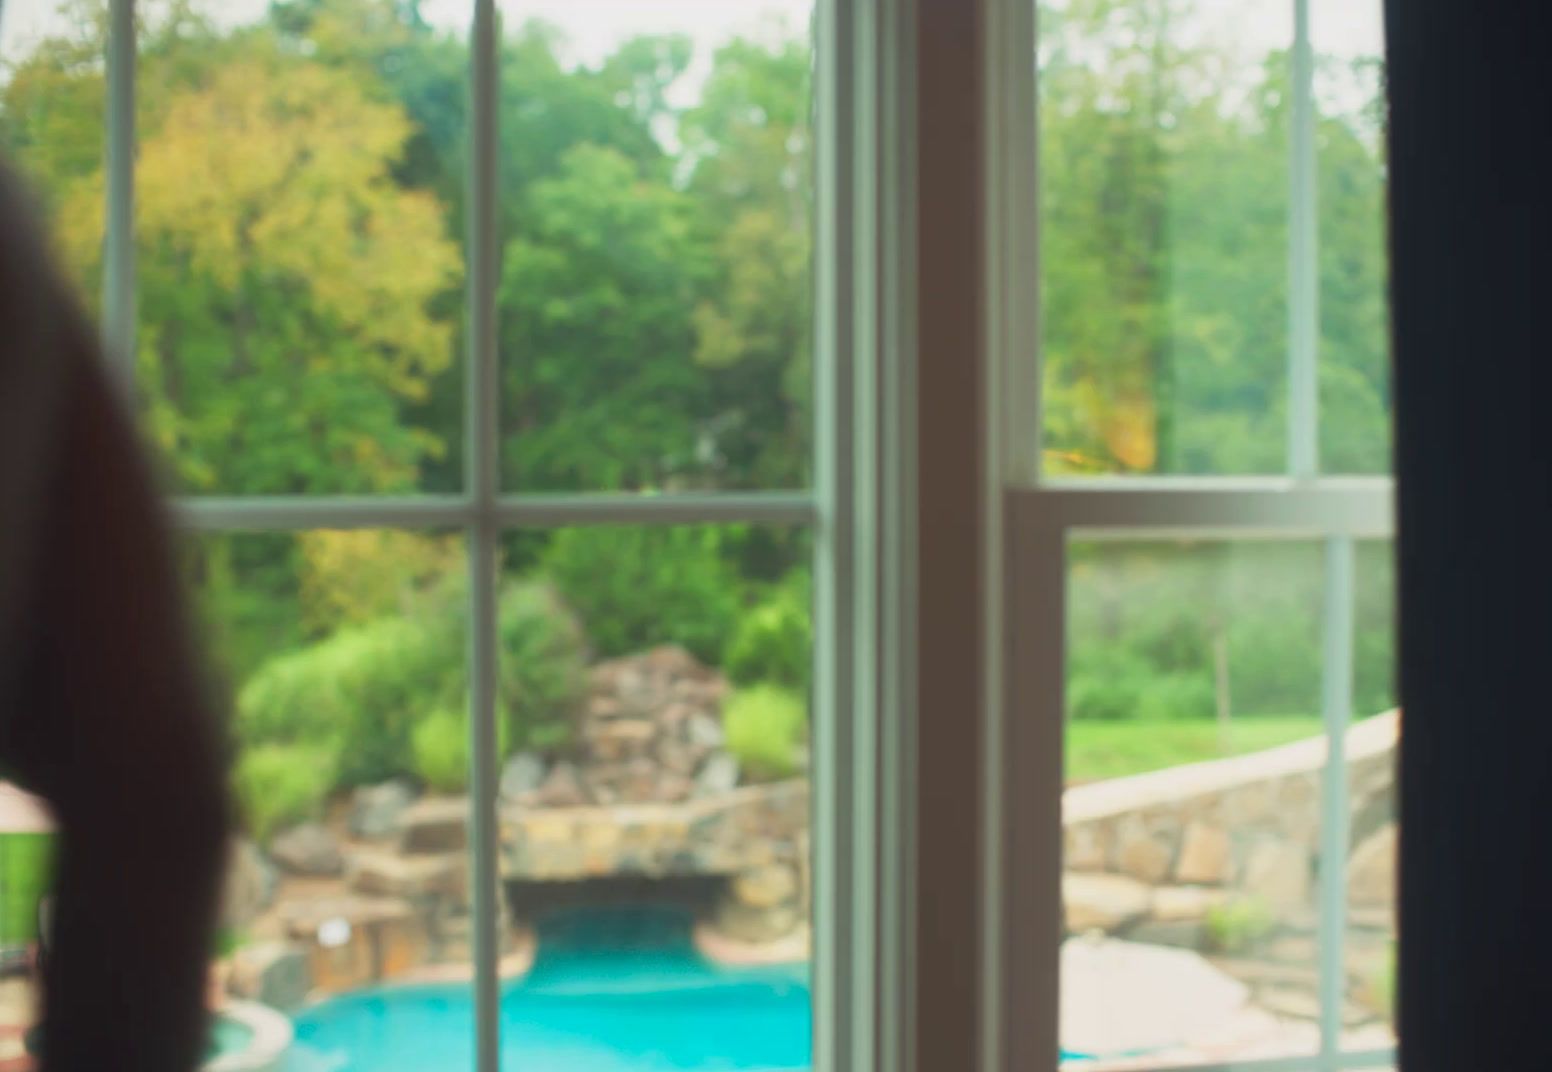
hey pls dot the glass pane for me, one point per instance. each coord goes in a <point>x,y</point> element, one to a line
<point>1163,211</point>
<point>1192,810</point>
<point>1355,408</point>
<point>655,821</point>
<point>345,652</point>
<point>655,289</point>
<point>1372,830</point>
<point>52,121</point>
<point>299,222</point>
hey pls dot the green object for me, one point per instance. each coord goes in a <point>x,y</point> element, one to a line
<point>283,783</point>
<point>1101,750</point>
<point>384,698</point>
<point>360,691</point>
<point>1177,696</point>
<point>1152,624</point>
<point>26,872</point>
<point>1106,684</point>
<point>766,730</point>
<point>1240,925</point>
<point>441,750</point>
<point>774,642</point>
<point>636,587</point>
<point>1385,984</point>
<point>543,667</point>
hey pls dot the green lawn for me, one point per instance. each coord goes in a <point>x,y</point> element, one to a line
<point>1099,750</point>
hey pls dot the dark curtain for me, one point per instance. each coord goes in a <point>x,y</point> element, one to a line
<point>1471,240</point>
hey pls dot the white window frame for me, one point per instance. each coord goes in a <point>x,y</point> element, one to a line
<point>862,831</point>
<point>1022,850</point>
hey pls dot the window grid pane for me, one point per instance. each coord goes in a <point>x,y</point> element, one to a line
<point>1205,514</point>
<point>1053,508</point>
<point>481,513</point>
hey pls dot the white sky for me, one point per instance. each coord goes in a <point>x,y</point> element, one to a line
<point>593,27</point>
<point>1346,27</point>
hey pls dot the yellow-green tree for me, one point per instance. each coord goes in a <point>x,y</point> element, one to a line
<point>284,281</point>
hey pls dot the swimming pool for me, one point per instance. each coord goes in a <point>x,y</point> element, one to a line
<point>618,990</point>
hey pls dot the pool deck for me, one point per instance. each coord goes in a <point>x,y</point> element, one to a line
<point>795,948</point>
<point>1164,1007</point>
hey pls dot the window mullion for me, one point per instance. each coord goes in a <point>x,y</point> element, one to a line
<point>842,950</point>
<point>1303,274</point>
<point>1354,509</point>
<point>1336,712</point>
<point>632,508</point>
<point>118,284</point>
<point>483,482</point>
<point>1032,740</point>
<point>199,513</point>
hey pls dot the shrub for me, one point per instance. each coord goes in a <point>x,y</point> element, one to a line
<point>1099,698</point>
<point>361,690</point>
<point>365,691</point>
<point>283,783</point>
<point>1275,662</point>
<point>766,729</point>
<point>1107,684</point>
<point>1177,696</point>
<point>543,667</point>
<point>441,748</point>
<point>636,587</point>
<point>774,642</point>
<point>1240,925</point>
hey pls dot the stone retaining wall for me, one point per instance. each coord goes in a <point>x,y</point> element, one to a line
<point>755,836</point>
<point>732,832</point>
<point>399,905</point>
<point>1224,858</point>
<point>1151,857</point>
<point>1171,844</point>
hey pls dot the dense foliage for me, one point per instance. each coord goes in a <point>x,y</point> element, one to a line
<point>300,221</point>
<point>282,783</point>
<point>634,587</point>
<point>1165,235</point>
<point>774,642</point>
<point>386,697</point>
<point>1171,631</point>
<point>767,728</point>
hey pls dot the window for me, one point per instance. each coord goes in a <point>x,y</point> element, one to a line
<point>493,350</point>
<point>1193,766</point>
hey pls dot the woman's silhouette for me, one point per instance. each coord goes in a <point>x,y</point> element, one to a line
<point>101,709</point>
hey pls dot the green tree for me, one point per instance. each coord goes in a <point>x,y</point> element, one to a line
<point>1354,280</point>
<point>595,305</point>
<point>750,145</point>
<point>1164,206</point>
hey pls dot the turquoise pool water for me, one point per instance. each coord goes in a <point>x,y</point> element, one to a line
<point>610,991</point>
<point>228,1036</point>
